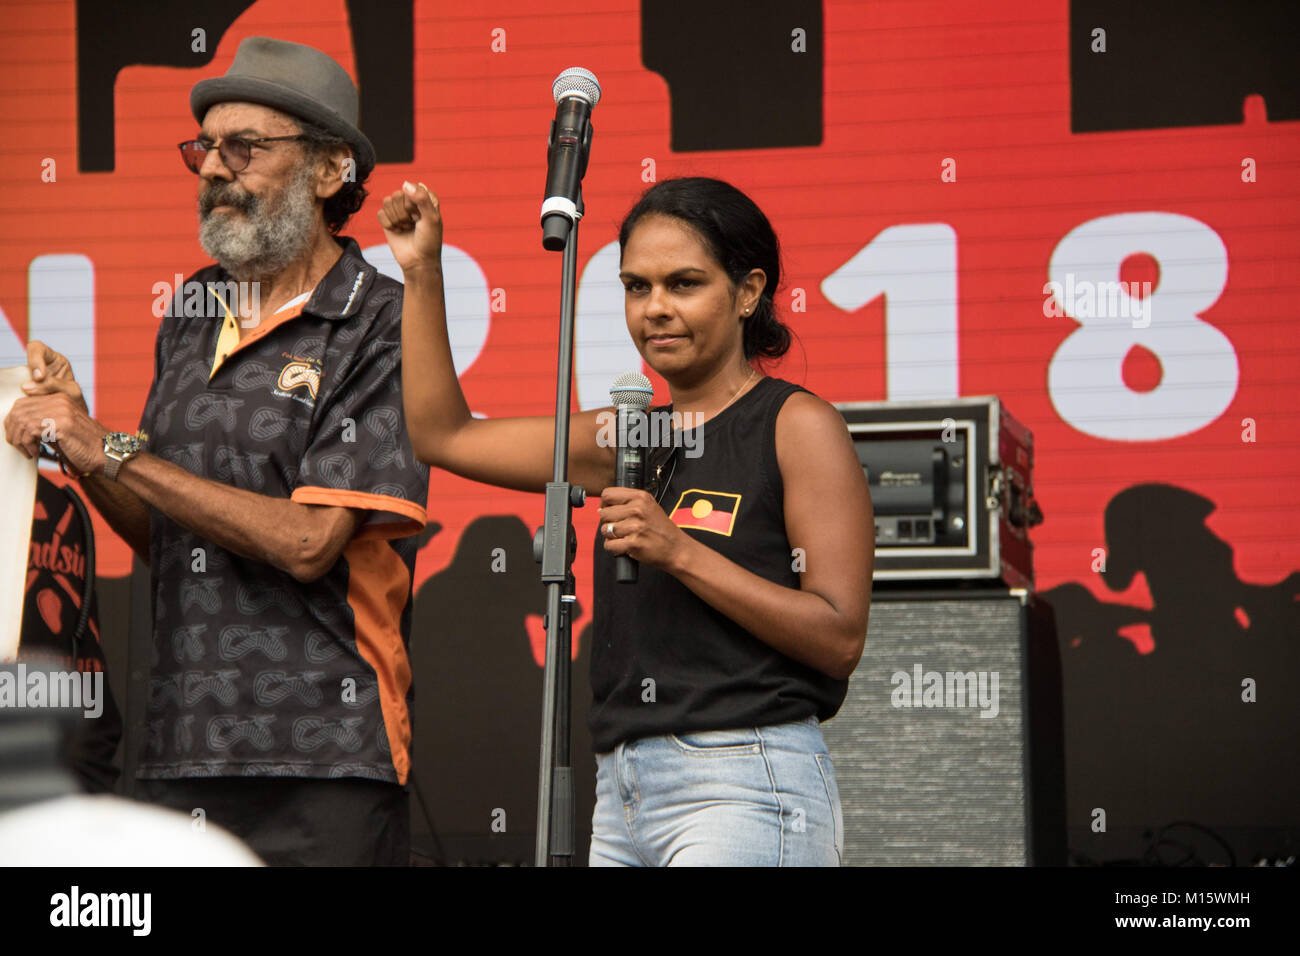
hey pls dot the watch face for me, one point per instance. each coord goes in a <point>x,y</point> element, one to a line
<point>122,443</point>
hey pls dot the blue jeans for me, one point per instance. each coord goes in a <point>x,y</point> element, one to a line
<point>761,796</point>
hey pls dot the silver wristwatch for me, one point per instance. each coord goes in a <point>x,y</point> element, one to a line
<point>119,447</point>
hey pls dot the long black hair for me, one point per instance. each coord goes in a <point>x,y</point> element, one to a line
<point>737,235</point>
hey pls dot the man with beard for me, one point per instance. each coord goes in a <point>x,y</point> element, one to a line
<point>271,487</point>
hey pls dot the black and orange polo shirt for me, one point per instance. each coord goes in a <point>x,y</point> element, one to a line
<point>254,673</point>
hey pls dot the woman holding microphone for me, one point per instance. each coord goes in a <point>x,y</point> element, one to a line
<point>711,673</point>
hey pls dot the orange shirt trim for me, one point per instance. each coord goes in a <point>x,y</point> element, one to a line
<point>229,341</point>
<point>416,516</point>
<point>378,587</point>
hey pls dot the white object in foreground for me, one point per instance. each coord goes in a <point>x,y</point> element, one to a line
<point>18,492</point>
<point>107,830</point>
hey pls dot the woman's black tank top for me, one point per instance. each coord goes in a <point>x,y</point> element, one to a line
<point>664,661</point>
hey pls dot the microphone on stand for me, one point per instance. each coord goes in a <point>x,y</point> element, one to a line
<point>576,94</point>
<point>631,394</point>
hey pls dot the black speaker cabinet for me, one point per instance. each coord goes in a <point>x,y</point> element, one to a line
<point>948,749</point>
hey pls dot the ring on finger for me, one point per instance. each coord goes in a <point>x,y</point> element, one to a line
<point>609,530</point>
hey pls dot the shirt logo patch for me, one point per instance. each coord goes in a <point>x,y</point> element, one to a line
<point>300,375</point>
<point>706,511</point>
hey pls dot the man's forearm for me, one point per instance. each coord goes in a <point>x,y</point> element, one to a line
<point>275,531</point>
<point>123,510</point>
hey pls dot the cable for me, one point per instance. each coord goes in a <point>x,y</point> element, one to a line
<point>440,858</point>
<point>1191,857</point>
<point>88,582</point>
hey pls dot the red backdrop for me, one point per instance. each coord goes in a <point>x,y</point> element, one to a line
<point>901,281</point>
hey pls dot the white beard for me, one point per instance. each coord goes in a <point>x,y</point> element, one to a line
<point>270,234</point>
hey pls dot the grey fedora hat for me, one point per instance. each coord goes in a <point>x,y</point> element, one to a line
<point>299,80</point>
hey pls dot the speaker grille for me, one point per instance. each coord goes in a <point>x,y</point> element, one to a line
<point>935,785</point>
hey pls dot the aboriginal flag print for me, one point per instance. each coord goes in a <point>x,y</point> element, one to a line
<point>706,511</point>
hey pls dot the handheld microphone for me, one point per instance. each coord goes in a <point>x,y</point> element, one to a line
<point>576,94</point>
<point>631,394</point>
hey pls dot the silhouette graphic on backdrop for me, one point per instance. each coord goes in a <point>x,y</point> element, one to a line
<point>747,74</point>
<point>1145,687</point>
<point>1172,63</point>
<point>112,36</point>
<point>478,703</point>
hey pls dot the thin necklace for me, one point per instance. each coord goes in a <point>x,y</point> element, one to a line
<point>752,373</point>
<point>672,456</point>
<point>662,487</point>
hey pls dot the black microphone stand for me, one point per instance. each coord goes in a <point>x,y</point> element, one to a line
<point>554,546</point>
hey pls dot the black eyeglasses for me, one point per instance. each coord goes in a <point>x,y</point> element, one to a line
<point>236,153</point>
